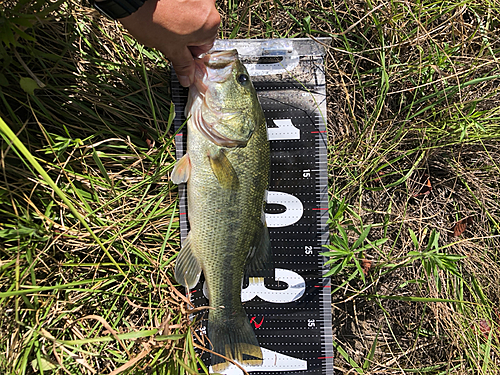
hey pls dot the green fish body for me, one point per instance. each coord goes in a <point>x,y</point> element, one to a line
<point>226,168</point>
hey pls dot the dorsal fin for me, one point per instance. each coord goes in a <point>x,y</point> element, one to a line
<point>259,261</point>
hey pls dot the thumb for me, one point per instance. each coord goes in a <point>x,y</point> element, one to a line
<point>183,63</point>
<point>198,50</point>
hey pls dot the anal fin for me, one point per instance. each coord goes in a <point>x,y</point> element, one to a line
<point>187,267</point>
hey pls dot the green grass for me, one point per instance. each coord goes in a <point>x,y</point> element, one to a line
<point>89,221</point>
<point>89,218</point>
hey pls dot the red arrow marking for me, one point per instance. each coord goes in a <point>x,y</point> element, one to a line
<point>257,325</point>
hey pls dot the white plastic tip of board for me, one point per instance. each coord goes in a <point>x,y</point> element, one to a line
<point>272,361</point>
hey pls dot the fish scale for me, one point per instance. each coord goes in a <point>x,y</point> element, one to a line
<point>290,313</point>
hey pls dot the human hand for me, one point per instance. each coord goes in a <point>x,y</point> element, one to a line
<point>180,29</point>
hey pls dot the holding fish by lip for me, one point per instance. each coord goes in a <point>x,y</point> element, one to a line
<point>226,169</point>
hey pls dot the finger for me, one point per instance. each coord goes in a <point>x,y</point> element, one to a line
<point>198,50</point>
<point>183,63</point>
<point>207,32</point>
<point>213,22</point>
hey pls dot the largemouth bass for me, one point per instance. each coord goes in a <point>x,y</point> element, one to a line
<point>226,169</point>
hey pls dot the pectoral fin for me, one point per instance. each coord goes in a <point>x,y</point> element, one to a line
<point>187,268</point>
<point>182,170</point>
<point>223,170</point>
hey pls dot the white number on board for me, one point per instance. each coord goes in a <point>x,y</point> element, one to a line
<point>295,290</point>
<point>293,213</point>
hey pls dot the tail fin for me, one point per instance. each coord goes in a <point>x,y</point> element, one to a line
<point>233,338</point>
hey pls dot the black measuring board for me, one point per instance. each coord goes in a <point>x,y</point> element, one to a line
<point>290,313</point>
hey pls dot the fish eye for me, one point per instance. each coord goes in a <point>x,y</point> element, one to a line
<point>243,79</point>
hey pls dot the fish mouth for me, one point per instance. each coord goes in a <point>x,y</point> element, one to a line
<point>220,59</point>
<point>212,67</point>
